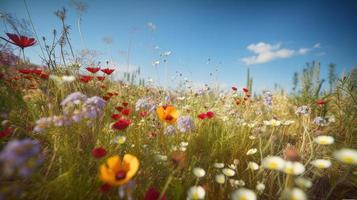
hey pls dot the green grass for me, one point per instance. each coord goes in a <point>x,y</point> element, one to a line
<point>70,172</point>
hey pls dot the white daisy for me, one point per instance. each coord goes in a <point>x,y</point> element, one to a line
<point>243,194</point>
<point>260,187</point>
<point>218,165</point>
<point>324,140</point>
<point>228,172</point>
<point>253,166</point>
<point>273,163</point>
<point>252,151</point>
<point>294,168</point>
<point>321,163</point>
<point>347,156</point>
<point>196,192</point>
<point>199,172</point>
<point>220,178</point>
<point>295,194</point>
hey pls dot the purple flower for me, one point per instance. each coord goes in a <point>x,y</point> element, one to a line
<point>96,102</point>
<point>20,157</point>
<point>91,112</point>
<point>303,110</point>
<point>143,103</point>
<point>185,124</point>
<point>73,98</point>
<point>319,121</point>
<point>268,99</point>
<point>170,130</point>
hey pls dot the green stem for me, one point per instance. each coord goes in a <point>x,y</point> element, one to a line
<point>166,186</point>
<point>23,54</point>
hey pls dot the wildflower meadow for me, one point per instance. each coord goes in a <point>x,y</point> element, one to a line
<point>76,127</point>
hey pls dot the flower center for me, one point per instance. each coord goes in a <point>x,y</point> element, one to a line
<point>169,118</point>
<point>120,175</point>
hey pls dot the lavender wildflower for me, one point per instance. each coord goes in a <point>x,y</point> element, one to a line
<point>268,98</point>
<point>185,124</point>
<point>170,130</point>
<point>319,121</point>
<point>143,103</point>
<point>73,98</point>
<point>96,102</point>
<point>303,110</point>
<point>20,157</point>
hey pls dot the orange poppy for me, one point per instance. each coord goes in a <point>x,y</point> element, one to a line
<point>117,172</point>
<point>168,114</point>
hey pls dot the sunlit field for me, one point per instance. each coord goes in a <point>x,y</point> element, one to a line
<point>75,128</point>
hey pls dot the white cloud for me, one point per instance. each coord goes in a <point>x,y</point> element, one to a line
<point>265,52</point>
<point>303,51</point>
<point>151,26</point>
<point>317,45</point>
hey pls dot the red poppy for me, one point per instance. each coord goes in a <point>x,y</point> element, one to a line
<point>245,90</point>
<point>99,152</point>
<point>107,71</point>
<point>143,114</point>
<point>106,98</point>
<point>93,69</point>
<point>234,88</point>
<point>105,187</point>
<point>320,102</point>
<point>153,194</point>
<point>110,94</point>
<point>7,131</point>
<point>238,101</point>
<point>100,78</point>
<point>25,71</point>
<point>121,124</point>
<point>248,95</point>
<point>125,104</point>
<point>202,116</point>
<point>36,71</point>
<point>119,108</point>
<point>44,76</point>
<point>85,79</point>
<point>115,94</point>
<point>1,75</point>
<point>126,112</point>
<point>21,41</point>
<point>210,114</point>
<point>116,116</point>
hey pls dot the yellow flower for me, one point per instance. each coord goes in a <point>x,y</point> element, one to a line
<point>168,114</point>
<point>118,172</point>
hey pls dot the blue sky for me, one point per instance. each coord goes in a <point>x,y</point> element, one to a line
<point>273,38</point>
